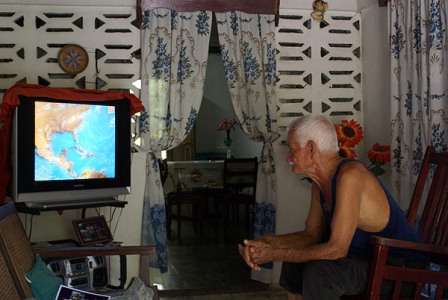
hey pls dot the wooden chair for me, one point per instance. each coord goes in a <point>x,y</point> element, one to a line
<point>239,188</point>
<point>432,230</point>
<point>181,197</point>
<point>178,198</point>
<point>18,257</point>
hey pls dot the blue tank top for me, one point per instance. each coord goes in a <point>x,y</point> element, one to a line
<point>398,227</point>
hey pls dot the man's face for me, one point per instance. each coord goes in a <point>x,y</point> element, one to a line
<point>293,156</point>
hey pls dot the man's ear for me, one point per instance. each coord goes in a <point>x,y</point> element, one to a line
<point>311,147</point>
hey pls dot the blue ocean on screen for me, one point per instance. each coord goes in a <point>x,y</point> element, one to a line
<point>79,142</point>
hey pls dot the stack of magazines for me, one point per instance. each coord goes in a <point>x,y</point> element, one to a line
<point>69,293</point>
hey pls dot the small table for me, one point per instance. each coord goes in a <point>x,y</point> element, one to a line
<point>193,174</point>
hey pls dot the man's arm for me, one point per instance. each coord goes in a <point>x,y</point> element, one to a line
<point>311,235</point>
<point>344,223</point>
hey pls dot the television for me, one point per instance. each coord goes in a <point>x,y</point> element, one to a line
<point>70,151</point>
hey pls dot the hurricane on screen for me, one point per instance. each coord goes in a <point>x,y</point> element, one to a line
<point>74,141</point>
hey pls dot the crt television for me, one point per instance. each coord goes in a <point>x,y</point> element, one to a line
<point>70,151</point>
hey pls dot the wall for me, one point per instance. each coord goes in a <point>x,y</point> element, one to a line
<point>376,78</point>
<point>215,106</point>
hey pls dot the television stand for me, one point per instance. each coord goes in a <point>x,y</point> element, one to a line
<point>35,208</point>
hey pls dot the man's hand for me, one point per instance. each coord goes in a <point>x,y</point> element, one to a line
<point>255,252</point>
<point>245,252</point>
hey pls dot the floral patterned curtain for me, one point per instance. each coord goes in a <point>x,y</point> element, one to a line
<point>419,87</point>
<point>174,50</point>
<point>248,53</point>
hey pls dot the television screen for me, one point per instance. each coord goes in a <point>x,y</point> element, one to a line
<point>73,141</point>
<point>65,150</point>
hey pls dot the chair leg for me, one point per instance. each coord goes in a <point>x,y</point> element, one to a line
<point>169,216</point>
<point>201,216</point>
<point>179,221</point>
<point>216,217</point>
<point>226,219</point>
<point>195,214</point>
<point>248,219</point>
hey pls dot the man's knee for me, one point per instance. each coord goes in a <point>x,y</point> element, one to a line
<point>317,273</point>
<point>296,277</point>
<point>291,277</point>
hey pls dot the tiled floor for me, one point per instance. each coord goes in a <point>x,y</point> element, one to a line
<point>204,265</point>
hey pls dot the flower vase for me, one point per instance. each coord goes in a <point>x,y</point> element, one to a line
<point>228,143</point>
<point>229,153</point>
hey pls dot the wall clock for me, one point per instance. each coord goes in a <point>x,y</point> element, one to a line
<point>73,59</point>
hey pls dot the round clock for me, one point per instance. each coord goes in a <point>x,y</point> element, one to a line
<point>73,59</point>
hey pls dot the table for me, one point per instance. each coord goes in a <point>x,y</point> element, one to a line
<point>190,175</point>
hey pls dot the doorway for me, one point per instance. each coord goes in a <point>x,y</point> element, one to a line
<point>209,263</point>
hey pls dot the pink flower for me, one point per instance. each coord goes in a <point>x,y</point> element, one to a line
<point>227,124</point>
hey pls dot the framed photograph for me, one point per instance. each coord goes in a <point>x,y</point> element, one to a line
<point>92,231</point>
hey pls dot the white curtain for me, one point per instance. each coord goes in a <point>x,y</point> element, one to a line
<point>419,87</point>
<point>248,52</point>
<point>174,49</point>
<point>419,84</point>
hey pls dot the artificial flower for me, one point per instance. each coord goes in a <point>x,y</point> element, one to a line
<point>349,133</point>
<point>227,124</point>
<point>379,154</point>
<point>347,152</point>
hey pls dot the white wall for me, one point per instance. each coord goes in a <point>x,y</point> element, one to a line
<point>376,80</point>
<point>215,106</point>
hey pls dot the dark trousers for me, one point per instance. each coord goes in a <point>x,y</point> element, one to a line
<point>330,279</point>
<point>326,279</point>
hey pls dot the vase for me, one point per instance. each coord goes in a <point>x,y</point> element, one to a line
<point>227,139</point>
<point>229,153</point>
<point>228,143</point>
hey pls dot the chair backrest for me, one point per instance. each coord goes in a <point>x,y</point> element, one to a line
<point>8,290</point>
<point>240,173</point>
<point>163,169</point>
<point>17,255</point>
<point>432,228</point>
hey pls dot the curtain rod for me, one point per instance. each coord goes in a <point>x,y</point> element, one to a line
<point>268,7</point>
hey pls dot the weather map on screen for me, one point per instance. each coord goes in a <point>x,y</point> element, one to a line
<point>74,141</point>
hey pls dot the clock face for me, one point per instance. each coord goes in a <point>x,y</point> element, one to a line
<point>73,59</point>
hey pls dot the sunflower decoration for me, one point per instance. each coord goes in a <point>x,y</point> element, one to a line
<point>378,155</point>
<point>347,152</point>
<point>349,135</point>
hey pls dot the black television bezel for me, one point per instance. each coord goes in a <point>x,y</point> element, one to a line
<point>26,189</point>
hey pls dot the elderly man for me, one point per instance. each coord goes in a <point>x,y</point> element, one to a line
<point>331,256</point>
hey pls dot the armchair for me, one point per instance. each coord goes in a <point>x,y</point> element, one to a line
<point>432,230</point>
<point>18,257</point>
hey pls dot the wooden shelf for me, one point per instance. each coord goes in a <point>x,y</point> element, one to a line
<point>36,208</point>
